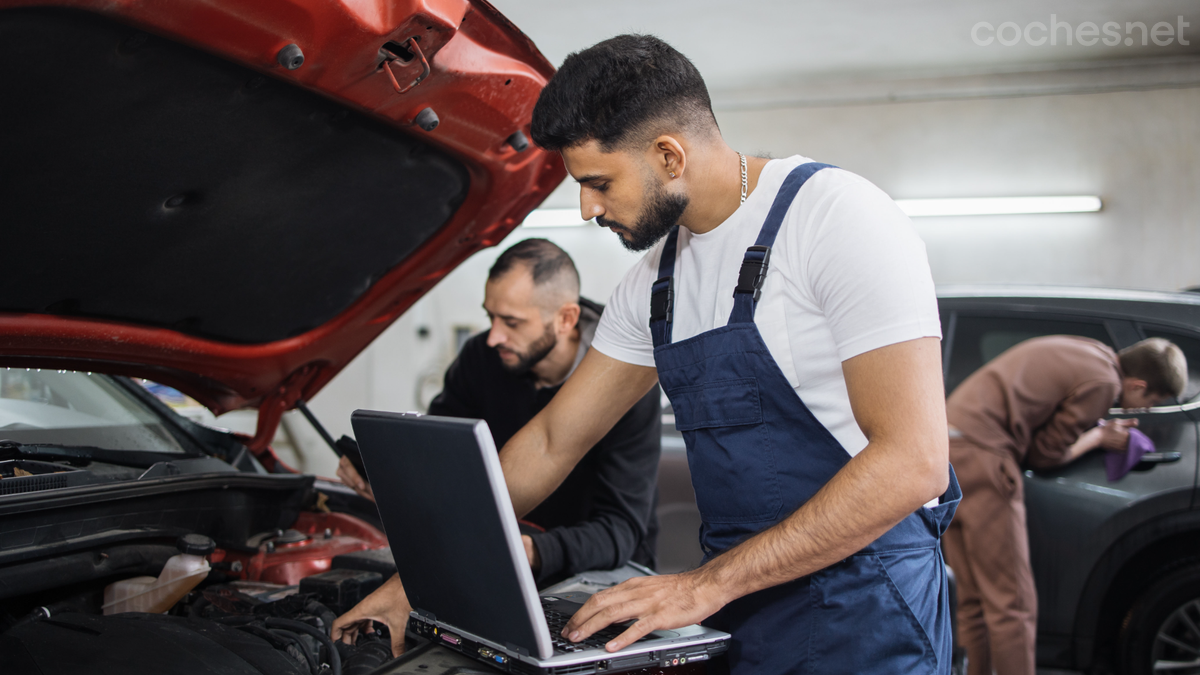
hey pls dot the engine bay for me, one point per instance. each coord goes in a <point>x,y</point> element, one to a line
<point>265,607</point>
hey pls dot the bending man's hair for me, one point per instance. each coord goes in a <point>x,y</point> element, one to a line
<point>1159,362</point>
<point>554,275</point>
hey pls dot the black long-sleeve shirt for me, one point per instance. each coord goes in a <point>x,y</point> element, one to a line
<point>603,514</point>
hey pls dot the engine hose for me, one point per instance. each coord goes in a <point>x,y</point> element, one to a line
<point>279,639</point>
<point>323,613</point>
<point>314,666</point>
<point>368,657</point>
<point>335,659</point>
<point>196,609</point>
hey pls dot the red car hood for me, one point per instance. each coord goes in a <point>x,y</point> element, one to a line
<point>184,200</point>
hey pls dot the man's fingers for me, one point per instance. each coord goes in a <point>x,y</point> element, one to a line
<point>397,643</point>
<point>349,474</point>
<point>345,476</point>
<point>348,632</point>
<point>606,616</point>
<point>593,606</point>
<point>631,635</point>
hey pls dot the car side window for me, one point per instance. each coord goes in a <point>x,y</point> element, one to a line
<point>1190,344</point>
<point>979,339</point>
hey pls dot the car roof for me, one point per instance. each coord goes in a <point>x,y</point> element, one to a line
<point>1164,308</point>
<point>1067,292</point>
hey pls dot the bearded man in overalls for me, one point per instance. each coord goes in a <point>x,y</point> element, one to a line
<point>787,309</point>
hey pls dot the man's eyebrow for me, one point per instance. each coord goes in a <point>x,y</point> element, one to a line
<point>590,178</point>
<point>505,317</point>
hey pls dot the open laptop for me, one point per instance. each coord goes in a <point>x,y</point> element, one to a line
<point>446,510</point>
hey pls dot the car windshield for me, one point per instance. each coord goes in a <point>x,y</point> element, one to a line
<point>74,408</point>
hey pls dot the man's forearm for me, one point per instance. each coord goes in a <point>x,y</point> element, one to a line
<point>599,543</point>
<point>1087,441</point>
<point>530,469</point>
<point>876,490</point>
<point>538,457</point>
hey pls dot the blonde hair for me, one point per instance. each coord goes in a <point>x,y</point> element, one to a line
<point>1159,362</point>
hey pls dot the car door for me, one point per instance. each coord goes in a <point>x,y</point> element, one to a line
<point>1074,513</point>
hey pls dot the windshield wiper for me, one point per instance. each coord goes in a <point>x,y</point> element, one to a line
<point>142,459</point>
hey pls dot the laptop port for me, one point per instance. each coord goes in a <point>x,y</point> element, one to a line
<point>451,638</point>
<point>486,653</point>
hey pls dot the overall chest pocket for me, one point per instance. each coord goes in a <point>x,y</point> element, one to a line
<point>724,403</point>
<point>729,451</point>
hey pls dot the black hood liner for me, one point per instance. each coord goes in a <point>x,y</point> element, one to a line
<point>145,181</point>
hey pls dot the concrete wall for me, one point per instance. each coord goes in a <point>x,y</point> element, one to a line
<point>1138,150</point>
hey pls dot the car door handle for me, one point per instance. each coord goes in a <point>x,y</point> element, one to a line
<point>1160,457</point>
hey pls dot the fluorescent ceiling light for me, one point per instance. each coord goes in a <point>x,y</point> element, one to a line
<point>989,206</point>
<point>554,218</point>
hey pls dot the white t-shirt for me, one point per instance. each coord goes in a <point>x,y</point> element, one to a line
<point>848,274</point>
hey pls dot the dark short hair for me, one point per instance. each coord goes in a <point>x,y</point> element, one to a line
<point>1159,362</point>
<point>622,91</point>
<point>545,261</point>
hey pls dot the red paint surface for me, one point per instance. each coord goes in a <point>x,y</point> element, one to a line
<point>289,563</point>
<point>484,81</point>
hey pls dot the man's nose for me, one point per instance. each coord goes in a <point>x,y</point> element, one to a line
<point>589,207</point>
<point>495,336</point>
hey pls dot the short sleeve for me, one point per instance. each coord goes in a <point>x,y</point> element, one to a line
<point>624,329</point>
<point>865,267</point>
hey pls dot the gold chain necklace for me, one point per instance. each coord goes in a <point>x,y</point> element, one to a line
<point>743,159</point>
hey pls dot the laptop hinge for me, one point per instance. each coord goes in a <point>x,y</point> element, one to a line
<point>426,614</point>
<point>515,649</point>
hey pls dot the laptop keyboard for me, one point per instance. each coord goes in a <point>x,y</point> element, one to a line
<point>557,620</point>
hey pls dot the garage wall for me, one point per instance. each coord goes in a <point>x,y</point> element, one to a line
<point>1138,150</point>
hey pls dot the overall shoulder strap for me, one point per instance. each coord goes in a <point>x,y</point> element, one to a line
<point>662,293</point>
<point>758,257</point>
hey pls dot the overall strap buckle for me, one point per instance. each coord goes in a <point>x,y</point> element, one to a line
<point>754,271</point>
<point>662,299</point>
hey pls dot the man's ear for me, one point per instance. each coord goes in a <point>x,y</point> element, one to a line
<point>1135,385</point>
<point>668,157</point>
<point>566,318</point>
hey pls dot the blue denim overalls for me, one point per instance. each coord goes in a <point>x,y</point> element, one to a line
<point>757,454</point>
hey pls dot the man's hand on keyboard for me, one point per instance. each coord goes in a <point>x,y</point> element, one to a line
<point>653,603</point>
<point>387,605</point>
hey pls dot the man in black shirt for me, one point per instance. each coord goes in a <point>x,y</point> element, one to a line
<point>603,513</point>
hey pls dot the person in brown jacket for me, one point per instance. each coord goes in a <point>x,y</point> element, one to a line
<point>1036,405</point>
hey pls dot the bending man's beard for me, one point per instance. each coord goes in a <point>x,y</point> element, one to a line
<point>536,352</point>
<point>658,216</point>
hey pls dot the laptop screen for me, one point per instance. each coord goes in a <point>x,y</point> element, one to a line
<point>457,556</point>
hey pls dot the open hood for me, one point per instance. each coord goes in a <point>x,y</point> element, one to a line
<point>235,197</point>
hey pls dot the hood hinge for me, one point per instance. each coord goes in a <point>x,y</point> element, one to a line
<point>275,404</point>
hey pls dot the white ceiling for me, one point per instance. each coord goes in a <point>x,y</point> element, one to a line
<point>764,43</point>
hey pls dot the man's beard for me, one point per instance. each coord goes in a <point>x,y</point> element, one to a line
<point>658,216</point>
<point>536,352</point>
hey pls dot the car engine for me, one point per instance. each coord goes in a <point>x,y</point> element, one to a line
<point>266,607</point>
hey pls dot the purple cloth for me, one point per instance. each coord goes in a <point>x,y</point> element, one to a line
<point>1118,464</point>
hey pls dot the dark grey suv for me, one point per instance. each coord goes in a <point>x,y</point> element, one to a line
<point>1117,565</point>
